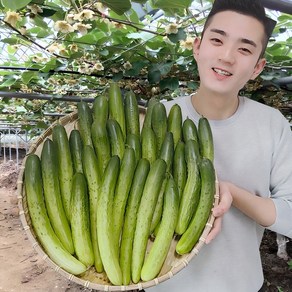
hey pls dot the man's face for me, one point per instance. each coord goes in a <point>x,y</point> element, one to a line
<point>228,54</point>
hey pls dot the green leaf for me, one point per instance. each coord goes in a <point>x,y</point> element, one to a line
<point>163,68</point>
<point>171,4</point>
<point>118,76</point>
<point>26,77</point>
<point>169,83</point>
<point>9,82</point>
<point>145,36</point>
<point>15,4</point>
<point>117,6</point>
<point>11,41</point>
<point>154,76</point>
<point>176,37</point>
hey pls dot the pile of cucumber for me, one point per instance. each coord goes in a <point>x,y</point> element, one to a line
<point>97,195</point>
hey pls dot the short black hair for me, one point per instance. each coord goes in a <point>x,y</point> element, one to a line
<point>253,8</point>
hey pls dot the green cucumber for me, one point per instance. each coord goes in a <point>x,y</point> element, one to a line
<point>129,227</point>
<point>147,119</point>
<point>191,193</point>
<point>80,222</point>
<point>108,253</point>
<point>127,169</point>
<point>149,145</point>
<point>197,225</point>
<point>134,142</point>
<point>116,138</point>
<point>101,144</point>
<point>190,131</point>
<point>100,109</point>
<point>159,123</point>
<point>41,222</point>
<point>84,122</point>
<point>180,167</point>
<point>205,139</point>
<point>132,114</point>
<point>75,143</point>
<point>174,123</point>
<point>159,250</point>
<point>52,195</point>
<point>65,165</point>
<point>144,216</point>
<point>116,106</point>
<point>93,178</point>
<point>167,151</point>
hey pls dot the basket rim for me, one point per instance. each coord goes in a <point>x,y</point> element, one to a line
<point>177,267</point>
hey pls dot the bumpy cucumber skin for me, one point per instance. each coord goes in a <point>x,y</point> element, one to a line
<point>180,167</point>
<point>116,138</point>
<point>148,115</point>
<point>65,165</point>
<point>205,139</point>
<point>174,123</point>
<point>158,252</point>
<point>149,145</point>
<point>132,114</point>
<point>101,144</point>
<point>116,106</point>
<point>144,216</point>
<point>190,196</point>
<point>196,227</point>
<point>40,220</point>
<point>127,169</point>
<point>167,151</point>
<point>108,254</point>
<point>134,142</point>
<point>85,122</point>
<point>52,195</point>
<point>190,131</point>
<point>135,195</point>
<point>93,178</point>
<point>80,220</point>
<point>100,109</point>
<point>159,123</point>
<point>76,145</point>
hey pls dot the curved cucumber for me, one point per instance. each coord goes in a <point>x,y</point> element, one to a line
<point>41,222</point>
<point>75,143</point>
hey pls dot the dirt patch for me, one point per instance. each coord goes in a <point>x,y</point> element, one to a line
<point>23,270</point>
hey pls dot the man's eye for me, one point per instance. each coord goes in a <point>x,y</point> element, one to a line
<point>245,50</point>
<point>216,41</point>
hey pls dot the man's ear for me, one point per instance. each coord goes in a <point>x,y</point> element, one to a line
<point>196,47</point>
<point>258,68</point>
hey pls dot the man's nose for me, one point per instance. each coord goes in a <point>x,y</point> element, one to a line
<point>227,55</point>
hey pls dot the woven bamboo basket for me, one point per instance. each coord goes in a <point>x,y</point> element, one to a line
<point>173,264</point>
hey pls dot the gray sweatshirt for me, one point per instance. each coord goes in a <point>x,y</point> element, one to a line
<point>253,150</point>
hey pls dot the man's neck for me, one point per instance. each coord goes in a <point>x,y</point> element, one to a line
<point>214,106</point>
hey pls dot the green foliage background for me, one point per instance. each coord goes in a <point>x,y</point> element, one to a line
<point>125,41</point>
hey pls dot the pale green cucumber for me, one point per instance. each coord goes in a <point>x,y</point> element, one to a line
<point>205,139</point>
<point>52,195</point>
<point>129,226</point>
<point>132,114</point>
<point>174,123</point>
<point>41,222</point>
<point>85,121</point>
<point>76,145</point>
<point>116,138</point>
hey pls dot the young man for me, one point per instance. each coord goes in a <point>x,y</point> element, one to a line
<point>253,152</point>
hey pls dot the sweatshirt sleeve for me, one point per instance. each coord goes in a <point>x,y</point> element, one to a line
<point>281,177</point>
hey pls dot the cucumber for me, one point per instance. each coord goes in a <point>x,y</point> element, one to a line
<point>189,130</point>
<point>197,225</point>
<point>174,123</point>
<point>191,193</point>
<point>159,250</point>
<point>132,114</point>
<point>144,216</point>
<point>116,106</point>
<point>75,144</point>
<point>127,169</point>
<point>167,151</point>
<point>41,222</point>
<point>101,144</point>
<point>100,109</point>
<point>108,254</point>
<point>205,139</point>
<point>80,222</point>
<point>147,119</point>
<point>180,167</point>
<point>159,123</point>
<point>65,166</point>
<point>134,142</point>
<point>52,195</point>
<point>116,138</point>
<point>93,178</point>
<point>133,202</point>
<point>85,122</point>
<point>149,145</point>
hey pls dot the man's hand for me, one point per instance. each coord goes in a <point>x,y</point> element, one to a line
<point>225,202</point>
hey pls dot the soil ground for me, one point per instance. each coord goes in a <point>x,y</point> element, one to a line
<point>23,270</point>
